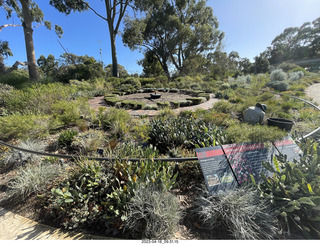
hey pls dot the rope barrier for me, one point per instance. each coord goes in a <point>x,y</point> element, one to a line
<point>141,159</point>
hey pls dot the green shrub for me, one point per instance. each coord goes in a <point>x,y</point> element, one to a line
<point>294,192</point>
<point>175,104</point>
<point>240,213</point>
<point>288,66</point>
<point>24,126</point>
<point>66,137</point>
<point>186,132</point>
<point>297,75</point>
<point>223,107</point>
<point>174,90</point>
<point>112,101</point>
<point>88,142</point>
<point>152,214</point>
<point>151,107</point>
<point>117,121</point>
<point>185,103</point>
<point>67,112</point>
<point>163,105</point>
<point>17,78</point>
<point>37,99</point>
<point>33,179</point>
<point>205,95</point>
<point>224,86</point>
<point>196,100</point>
<point>253,133</point>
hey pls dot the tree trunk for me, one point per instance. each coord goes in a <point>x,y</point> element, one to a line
<point>115,71</point>
<point>28,36</point>
<point>2,66</point>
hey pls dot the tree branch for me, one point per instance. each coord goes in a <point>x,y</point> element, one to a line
<point>104,18</point>
<point>7,25</point>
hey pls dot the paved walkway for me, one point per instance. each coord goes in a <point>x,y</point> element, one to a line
<point>97,102</point>
<point>313,91</point>
<point>16,227</point>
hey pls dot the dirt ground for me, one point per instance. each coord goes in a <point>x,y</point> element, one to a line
<point>165,97</point>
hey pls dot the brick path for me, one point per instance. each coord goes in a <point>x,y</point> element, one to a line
<point>97,102</point>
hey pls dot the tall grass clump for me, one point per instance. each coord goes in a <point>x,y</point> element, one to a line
<point>241,212</point>
<point>32,179</point>
<point>152,214</point>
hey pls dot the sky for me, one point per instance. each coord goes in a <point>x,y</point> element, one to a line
<point>249,27</point>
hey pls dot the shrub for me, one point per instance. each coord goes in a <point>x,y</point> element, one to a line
<point>186,132</point>
<point>152,214</point>
<point>163,105</point>
<point>66,137</point>
<point>288,66</point>
<point>32,179</point>
<point>174,90</point>
<point>132,81</point>
<point>278,85</point>
<point>175,104</point>
<point>24,126</point>
<point>294,192</point>
<point>223,107</point>
<point>244,79</point>
<point>196,100</point>
<point>67,112</point>
<point>14,158</point>
<point>224,86</point>
<point>253,133</point>
<point>185,103</point>
<point>17,78</point>
<point>117,121</point>
<point>294,76</point>
<point>89,141</point>
<point>4,90</point>
<point>151,107</point>
<point>205,95</point>
<point>241,212</point>
<point>278,75</point>
<point>112,101</point>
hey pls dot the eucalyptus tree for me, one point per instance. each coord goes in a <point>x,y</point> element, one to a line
<point>28,12</point>
<point>176,31</point>
<point>5,51</point>
<point>115,11</point>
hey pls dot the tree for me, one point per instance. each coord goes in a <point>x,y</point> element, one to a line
<point>115,11</point>
<point>176,31</point>
<point>261,63</point>
<point>5,51</point>
<point>151,65</point>
<point>28,12</point>
<point>49,65</point>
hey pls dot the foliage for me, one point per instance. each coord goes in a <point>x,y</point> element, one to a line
<point>24,126</point>
<point>238,133</point>
<point>278,85</point>
<point>152,214</point>
<point>32,178</point>
<point>176,32</point>
<point>297,75</point>
<point>278,75</point>
<point>241,212</point>
<point>117,121</point>
<point>89,141</point>
<point>37,98</point>
<point>294,192</point>
<point>66,137</point>
<point>17,78</point>
<point>13,158</point>
<point>187,132</point>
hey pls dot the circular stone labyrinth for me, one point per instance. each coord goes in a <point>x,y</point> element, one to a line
<point>165,97</point>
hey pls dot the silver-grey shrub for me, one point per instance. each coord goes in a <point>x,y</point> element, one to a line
<point>278,75</point>
<point>32,178</point>
<point>152,214</point>
<point>14,158</point>
<point>242,211</point>
<point>294,76</point>
<point>244,79</point>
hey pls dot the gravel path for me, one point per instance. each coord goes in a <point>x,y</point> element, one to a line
<point>313,92</point>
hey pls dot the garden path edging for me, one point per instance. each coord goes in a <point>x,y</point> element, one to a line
<point>97,102</point>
